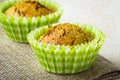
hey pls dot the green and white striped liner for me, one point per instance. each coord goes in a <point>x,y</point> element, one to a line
<point>66,59</point>
<point>18,28</point>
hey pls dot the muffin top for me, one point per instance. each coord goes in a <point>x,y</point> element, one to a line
<point>28,8</point>
<point>66,34</point>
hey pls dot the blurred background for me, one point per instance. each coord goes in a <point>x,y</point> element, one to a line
<point>104,14</point>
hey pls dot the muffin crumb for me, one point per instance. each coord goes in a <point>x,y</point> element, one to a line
<point>66,34</point>
<point>28,8</point>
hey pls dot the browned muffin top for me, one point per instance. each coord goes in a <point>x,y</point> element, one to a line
<point>66,34</point>
<point>28,8</point>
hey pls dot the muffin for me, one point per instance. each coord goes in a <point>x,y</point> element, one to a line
<point>28,8</point>
<point>65,58</point>
<point>18,18</point>
<point>66,34</point>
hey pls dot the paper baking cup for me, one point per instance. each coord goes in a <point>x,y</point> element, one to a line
<point>66,59</point>
<point>18,28</point>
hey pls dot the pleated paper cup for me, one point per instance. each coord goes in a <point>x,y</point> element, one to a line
<point>66,59</point>
<point>18,28</point>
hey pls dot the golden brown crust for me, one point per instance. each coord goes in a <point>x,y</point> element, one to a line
<point>28,8</point>
<point>66,34</point>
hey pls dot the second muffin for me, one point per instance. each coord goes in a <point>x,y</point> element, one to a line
<point>19,17</point>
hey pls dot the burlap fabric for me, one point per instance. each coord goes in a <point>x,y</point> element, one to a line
<point>17,62</point>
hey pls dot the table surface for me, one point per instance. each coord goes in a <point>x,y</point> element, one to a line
<point>104,14</point>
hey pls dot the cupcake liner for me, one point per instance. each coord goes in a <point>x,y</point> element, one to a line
<point>66,59</point>
<point>18,28</point>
